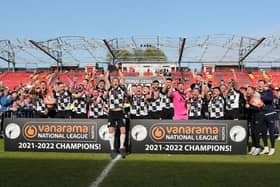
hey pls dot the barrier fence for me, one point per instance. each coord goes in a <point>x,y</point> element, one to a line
<point>146,136</point>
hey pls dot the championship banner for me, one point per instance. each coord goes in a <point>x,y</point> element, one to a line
<point>56,135</point>
<point>189,137</point>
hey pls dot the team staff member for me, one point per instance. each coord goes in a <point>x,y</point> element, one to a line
<point>269,116</point>
<point>116,99</point>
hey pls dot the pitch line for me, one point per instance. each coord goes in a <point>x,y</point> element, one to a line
<point>105,172</point>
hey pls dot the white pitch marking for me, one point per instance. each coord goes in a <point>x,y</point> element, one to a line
<point>105,172</point>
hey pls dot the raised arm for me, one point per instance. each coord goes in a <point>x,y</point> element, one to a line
<point>107,81</point>
<point>236,84</point>
<point>164,88</point>
<point>204,90</point>
<point>122,79</point>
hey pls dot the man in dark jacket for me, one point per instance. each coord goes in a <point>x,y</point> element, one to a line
<point>269,116</point>
<point>254,105</point>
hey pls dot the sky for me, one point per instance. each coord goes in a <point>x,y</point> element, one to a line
<point>40,20</point>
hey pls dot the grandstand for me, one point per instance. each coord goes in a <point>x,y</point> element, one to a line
<point>211,55</point>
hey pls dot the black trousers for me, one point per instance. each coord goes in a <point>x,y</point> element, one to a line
<point>269,125</point>
<point>257,127</point>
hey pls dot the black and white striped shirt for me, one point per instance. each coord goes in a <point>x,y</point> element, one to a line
<point>116,98</point>
<point>195,107</point>
<point>139,105</point>
<point>232,100</point>
<point>96,107</point>
<point>39,105</point>
<point>80,105</point>
<point>64,100</point>
<point>216,107</point>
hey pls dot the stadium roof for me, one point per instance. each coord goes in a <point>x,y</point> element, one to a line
<point>218,48</point>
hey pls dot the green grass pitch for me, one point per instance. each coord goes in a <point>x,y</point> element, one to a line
<point>80,169</point>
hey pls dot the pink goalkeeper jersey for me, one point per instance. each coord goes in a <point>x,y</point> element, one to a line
<point>180,108</point>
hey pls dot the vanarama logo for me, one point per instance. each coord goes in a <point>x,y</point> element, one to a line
<point>58,131</point>
<point>188,133</point>
<point>30,131</point>
<point>158,133</point>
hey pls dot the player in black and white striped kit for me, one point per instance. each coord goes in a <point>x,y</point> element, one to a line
<point>63,101</point>
<point>38,103</point>
<point>139,104</point>
<point>115,98</point>
<point>232,104</point>
<point>155,107</point>
<point>80,103</point>
<point>232,99</point>
<point>166,100</point>
<point>97,106</point>
<point>195,104</point>
<point>216,105</point>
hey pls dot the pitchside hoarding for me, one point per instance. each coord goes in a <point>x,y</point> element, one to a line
<point>58,135</point>
<point>183,137</point>
<point>147,136</point>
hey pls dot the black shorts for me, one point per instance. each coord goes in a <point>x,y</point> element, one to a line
<point>79,116</point>
<point>115,119</point>
<point>232,114</point>
<point>167,113</point>
<point>156,115</point>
